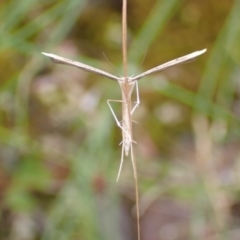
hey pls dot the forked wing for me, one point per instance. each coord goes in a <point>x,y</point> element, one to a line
<point>61,60</point>
<point>170,64</point>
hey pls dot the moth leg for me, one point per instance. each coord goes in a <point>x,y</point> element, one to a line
<point>138,99</point>
<point>120,126</point>
<point>114,115</point>
<point>121,163</point>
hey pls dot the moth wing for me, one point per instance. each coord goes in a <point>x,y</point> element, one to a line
<point>170,64</point>
<point>84,67</point>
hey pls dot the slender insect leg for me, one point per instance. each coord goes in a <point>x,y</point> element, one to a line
<point>120,126</point>
<point>138,99</point>
<point>117,121</point>
<point>121,163</point>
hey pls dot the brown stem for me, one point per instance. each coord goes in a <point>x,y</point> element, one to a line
<point>124,38</point>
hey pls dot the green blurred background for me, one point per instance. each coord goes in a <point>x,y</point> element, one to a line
<point>59,144</point>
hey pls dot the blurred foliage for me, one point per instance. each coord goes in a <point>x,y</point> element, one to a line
<point>59,150</point>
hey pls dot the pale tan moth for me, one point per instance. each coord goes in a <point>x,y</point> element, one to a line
<point>127,85</point>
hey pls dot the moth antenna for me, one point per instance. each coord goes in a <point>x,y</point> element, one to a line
<point>110,64</point>
<point>143,59</point>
